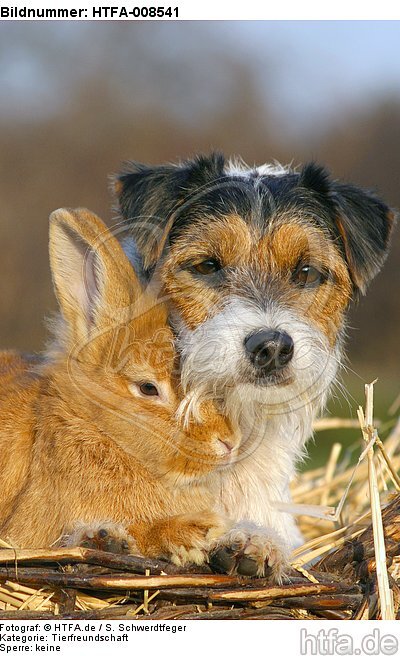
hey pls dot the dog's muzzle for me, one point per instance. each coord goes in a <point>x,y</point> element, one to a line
<point>269,350</point>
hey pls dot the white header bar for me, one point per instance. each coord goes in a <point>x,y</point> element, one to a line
<point>167,10</point>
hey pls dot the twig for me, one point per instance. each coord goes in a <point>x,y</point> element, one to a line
<point>129,563</point>
<point>395,405</point>
<point>276,592</point>
<point>331,423</point>
<point>385,594</point>
<point>330,470</point>
<point>119,581</point>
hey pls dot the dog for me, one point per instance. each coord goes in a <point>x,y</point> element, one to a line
<point>259,270</point>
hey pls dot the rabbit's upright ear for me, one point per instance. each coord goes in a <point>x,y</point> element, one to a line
<point>93,279</point>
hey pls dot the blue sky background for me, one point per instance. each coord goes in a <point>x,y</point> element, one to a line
<point>325,64</point>
<point>307,72</point>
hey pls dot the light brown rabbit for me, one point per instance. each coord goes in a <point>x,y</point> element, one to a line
<point>89,433</point>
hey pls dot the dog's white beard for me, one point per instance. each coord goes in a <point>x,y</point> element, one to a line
<point>275,420</point>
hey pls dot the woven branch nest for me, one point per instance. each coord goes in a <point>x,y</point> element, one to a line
<point>348,568</point>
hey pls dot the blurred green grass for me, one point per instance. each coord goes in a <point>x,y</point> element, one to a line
<point>385,393</point>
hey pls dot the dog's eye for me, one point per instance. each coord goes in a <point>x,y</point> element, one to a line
<point>207,267</point>
<point>144,389</point>
<point>308,276</point>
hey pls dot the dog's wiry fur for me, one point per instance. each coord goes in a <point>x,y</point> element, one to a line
<point>260,225</point>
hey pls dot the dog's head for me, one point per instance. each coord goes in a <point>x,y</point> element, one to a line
<point>260,266</point>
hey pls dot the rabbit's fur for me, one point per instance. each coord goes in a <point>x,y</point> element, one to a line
<point>84,453</point>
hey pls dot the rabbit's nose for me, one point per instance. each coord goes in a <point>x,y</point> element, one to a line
<point>227,445</point>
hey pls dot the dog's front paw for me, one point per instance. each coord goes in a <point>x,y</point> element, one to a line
<point>104,536</point>
<point>250,552</point>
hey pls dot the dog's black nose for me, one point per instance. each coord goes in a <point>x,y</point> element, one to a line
<point>269,350</point>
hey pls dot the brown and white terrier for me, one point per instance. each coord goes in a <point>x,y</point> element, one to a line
<point>259,269</point>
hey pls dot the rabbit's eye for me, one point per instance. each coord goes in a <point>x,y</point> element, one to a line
<point>148,389</point>
<point>145,388</point>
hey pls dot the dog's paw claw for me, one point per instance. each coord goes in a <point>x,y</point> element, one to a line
<point>250,554</point>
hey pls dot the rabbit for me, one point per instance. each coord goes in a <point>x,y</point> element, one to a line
<point>92,451</point>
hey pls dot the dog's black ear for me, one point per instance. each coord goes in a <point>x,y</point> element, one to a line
<point>362,221</point>
<point>148,196</point>
<point>365,224</point>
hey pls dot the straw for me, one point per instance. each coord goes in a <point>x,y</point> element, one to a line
<point>385,594</point>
